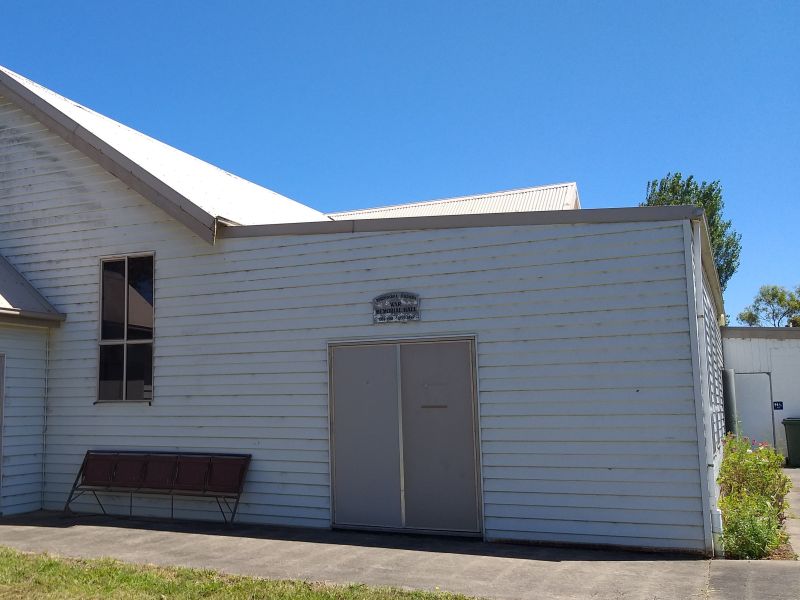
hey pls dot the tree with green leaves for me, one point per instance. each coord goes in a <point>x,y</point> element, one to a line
<point>773,306</point>
<point>726,243</point>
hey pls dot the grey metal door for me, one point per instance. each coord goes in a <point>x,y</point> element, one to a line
<point>403,436</point>
<point>754,406</point>
<point>366,439</point>
<point>439,463</point>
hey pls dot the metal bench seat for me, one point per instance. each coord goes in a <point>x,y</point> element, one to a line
<point>210,475</point>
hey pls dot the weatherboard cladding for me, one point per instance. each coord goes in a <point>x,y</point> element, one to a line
<point>714,360</point>
<point>25,350</point>
<point>585,381</point>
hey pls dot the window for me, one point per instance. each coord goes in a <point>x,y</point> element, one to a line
<point>126,329</point>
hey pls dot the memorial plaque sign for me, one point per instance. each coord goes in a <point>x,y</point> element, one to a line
<point>395,307</point>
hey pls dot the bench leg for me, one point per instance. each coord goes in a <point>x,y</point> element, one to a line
<point>231,509</point>
<point>222,512</point>
<point>235,509</point>
<point>72,495</point>
<point>99,503</point>
<point>70,498</point>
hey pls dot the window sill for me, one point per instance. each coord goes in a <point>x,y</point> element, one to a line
<point>148,402</point>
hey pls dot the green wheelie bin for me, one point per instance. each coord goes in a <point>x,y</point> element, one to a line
<point>792,426</point>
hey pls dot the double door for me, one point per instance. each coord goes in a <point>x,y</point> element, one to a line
<point>403,428</point>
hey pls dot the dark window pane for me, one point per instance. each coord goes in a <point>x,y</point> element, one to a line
<point>111,367</point>
<point>140,298</point>
<point>113,309</point>
<point>140,372</point>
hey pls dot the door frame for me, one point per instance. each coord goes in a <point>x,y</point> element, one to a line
<point>771,398</point>
<point>476,429</point>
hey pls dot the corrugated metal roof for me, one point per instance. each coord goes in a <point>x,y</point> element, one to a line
<point>561,196</point>
<point>18,298</point>
<point>215,191</point>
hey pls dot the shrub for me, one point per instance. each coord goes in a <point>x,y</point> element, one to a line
<point>753,469</point>
<point>753,491</point>
<point>751,528</point>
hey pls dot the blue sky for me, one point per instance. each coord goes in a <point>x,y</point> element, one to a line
<point>351,104</point>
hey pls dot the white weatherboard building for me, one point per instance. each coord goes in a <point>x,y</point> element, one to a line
<point>765,361</point>
<point>558,379</point>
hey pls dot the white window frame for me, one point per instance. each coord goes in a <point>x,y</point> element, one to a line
<point>125,342</point>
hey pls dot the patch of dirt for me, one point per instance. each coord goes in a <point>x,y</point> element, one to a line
<point>783,552</point>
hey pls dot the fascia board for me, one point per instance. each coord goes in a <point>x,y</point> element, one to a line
<point>553,217</point>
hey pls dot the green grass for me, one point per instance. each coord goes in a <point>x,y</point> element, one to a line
<point>41,576</point>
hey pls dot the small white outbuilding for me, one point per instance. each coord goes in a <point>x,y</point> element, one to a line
<point>25,320</point>
<point>766,365</point>
<point>508,366</point>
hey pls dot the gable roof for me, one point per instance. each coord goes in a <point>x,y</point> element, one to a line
<point>194,192</point>
<point>560,196</point>
<point>20,302</point>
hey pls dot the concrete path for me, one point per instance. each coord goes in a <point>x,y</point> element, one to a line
<point>779,580</point>
<point>469,567</point>
<point>793,522</point>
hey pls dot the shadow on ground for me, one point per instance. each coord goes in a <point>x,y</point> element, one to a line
<point>387,540</point>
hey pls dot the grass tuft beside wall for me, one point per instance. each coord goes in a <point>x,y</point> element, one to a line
<point>44,577</point>
<point>753,490</point>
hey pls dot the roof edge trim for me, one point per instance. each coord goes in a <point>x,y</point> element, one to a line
<point>29,317</point>
<point>142,181</point>
<point>14,277</point>
<point>769,333</point>
<point>709,267</point>
<point>550,217</point>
